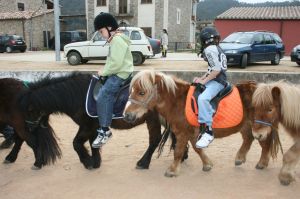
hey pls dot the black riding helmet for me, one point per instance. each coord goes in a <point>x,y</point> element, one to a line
<point>208,36</point>
<point>104,20</point>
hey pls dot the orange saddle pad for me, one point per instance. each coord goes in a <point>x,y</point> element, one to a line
<point>229,112</point>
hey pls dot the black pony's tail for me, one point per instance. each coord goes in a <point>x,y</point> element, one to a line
<point>48,149</point>
<point>166,134</point>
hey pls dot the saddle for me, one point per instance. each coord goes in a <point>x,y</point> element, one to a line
<point>227,105</point>
<point>119,104</point>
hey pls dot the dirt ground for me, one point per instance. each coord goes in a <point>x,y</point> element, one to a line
<point>118,178</point>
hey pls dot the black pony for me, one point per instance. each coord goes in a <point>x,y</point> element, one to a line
<point>67,95</point>
<point>40,138</point>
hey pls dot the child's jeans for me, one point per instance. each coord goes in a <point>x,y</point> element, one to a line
<point>106,99</point>
<point>205,109</point>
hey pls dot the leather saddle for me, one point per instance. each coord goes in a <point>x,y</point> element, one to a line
<point>119,104</point>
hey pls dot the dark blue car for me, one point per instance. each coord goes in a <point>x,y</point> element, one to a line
<point>242,48</point>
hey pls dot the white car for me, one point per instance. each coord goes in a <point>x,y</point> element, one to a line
<point>97,48</point>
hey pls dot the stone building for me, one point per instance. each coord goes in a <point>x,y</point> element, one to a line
<point>29,19</point>
<point>177,16</point>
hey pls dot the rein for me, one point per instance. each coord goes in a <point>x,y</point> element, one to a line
<point>275,137</point>
<point>146,102</point>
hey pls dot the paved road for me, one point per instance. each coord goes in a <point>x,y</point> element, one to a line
<point>45,61</point>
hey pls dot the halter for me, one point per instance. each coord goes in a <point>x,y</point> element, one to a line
<point>146,102</point>
<point>263,123</point>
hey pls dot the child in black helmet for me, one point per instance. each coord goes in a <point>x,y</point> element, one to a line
<point>118,67</point>
<point>214,80</point>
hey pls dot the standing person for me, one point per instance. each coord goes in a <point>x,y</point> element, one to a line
<point>118,67</point>
<point>164,42</point>
<point>214,80</point>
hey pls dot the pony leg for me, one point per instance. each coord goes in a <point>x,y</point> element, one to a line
<point>78,145</point>
<point>179,151</point>
<point>207,163</point>
<point>154,130</point>
<point>12,156</point>
<point>96,156</point>
<point>265,153</point>
<point>240,157</point>
<point>290,160</point>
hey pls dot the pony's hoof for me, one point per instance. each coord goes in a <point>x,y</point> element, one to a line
<point>35,168</point>
<point>239,162</point>
<point>286,179</point>
<point>170,174</point>
<point>207,168</point>
<point>260,166</point>
<point>7,162</point>
<point>141,167</point>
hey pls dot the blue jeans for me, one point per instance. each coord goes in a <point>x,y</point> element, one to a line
<point>106,99</point>
<point>206,111</point>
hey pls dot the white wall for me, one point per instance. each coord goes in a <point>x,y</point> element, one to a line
<point>146,16</point>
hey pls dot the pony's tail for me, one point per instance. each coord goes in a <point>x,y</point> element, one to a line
<point>275,143</point>
<point>166,134</point>
<point>48,149</point>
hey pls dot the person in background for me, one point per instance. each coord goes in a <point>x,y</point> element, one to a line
<point>118,67</point>
<point>214,80</point>
<point>164,42</point>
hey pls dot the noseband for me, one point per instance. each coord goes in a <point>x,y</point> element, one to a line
<point>34,124</point>
<point>263,123</point>
<point>145,102</point>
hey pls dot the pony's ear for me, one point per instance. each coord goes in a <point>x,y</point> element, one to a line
<point>276,95</point>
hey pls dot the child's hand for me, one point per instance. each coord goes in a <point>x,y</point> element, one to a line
<point>196,79</point>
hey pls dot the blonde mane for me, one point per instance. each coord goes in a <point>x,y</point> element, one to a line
<point>289,95</point>
<point>146,80</point>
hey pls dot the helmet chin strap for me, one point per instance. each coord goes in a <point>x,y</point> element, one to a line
<point>109,34</point>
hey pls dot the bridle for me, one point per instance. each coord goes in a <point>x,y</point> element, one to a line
<point>33,124</point>
<point>145,103</point>
<point>263,123</point>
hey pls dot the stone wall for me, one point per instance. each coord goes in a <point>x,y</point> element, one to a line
<point>12,5</point>
<point>179,32</point>
<point>38,26</point>
<point>12,27</point>
<point>90,11</point>
<point>233,77</point>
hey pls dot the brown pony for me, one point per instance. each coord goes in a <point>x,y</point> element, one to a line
<point>276,103</point>
<point>167,95</point>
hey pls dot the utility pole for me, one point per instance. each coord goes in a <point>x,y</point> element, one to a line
<point>45,24</point>
<point>57,30</point>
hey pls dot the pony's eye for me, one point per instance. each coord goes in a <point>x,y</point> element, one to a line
<point>141,93</point>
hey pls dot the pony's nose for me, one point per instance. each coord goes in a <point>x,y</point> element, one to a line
<point>258,137</point>
<point>129,117</point>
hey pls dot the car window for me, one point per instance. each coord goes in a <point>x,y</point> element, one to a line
<point>268,39</point>
<point>239,37</point>
<point>258,39</point>
<point>76,35</point>
<point>135,35</point>
<point>126,32</point>
<point>276,38</point>
<point>65,35</point>
<point>16,37</point>
<point>98,37</point>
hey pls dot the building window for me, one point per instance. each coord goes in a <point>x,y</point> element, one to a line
<point>101,3</point>
<point>21,7</point>
<point>123,6</point>
<point>146,1</point>
<point>178,15</point>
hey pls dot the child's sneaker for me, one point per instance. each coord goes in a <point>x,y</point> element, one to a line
<point>102,138</point>
<point>205,138</point>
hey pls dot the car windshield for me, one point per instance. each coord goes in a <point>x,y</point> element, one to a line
<point>239,37</point>
<point>16,37</point>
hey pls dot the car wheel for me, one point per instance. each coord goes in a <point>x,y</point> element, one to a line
<point>84,61</point>
<point>137,58</point>
<point>298,62</point>
<point>143,60</point>
<point>8,49</point>
<point>244,61</point>
<point>276,59</point>
<point>74,58</point>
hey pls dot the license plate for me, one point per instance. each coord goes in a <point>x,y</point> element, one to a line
<point>298,56</point>
<point>19,42</point>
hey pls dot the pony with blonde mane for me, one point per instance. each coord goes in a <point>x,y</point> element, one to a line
<point>276,103</point>
<point>151,90</point>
